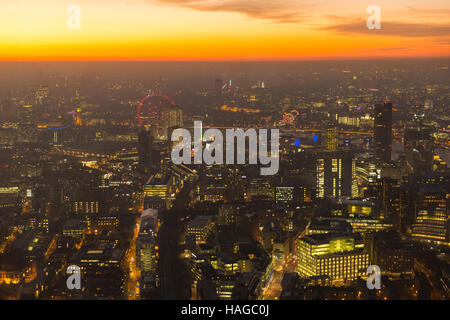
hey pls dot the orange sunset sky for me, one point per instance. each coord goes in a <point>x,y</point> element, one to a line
<point>222,30</point>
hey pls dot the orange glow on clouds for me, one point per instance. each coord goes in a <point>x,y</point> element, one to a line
<point>203,30</point>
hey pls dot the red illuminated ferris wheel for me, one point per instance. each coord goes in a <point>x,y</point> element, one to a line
<point>150,108</point>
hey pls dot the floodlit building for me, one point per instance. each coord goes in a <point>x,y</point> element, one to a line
<point>432,219</point>
<point>340,256</point>
<point>156,192</point>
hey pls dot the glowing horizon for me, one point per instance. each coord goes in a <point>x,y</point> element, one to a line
<point>222,30</point>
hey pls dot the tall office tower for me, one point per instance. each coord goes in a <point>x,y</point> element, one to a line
<point>419,147</point>
<point>335,175</point>
<point>391,200</point>
<point>145,148</point>
<point>340,257</point>
<point>383,132</point>
<point>146,249</point>
<point>432,218</point>
<point>171,117</point>
<point>330,137</point>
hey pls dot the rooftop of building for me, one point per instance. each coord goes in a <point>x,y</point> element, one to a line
<point>98,252</point>
<point>157,179</point>
<point>330,224</point>
<point>199,221</point>
<point>323,238</point>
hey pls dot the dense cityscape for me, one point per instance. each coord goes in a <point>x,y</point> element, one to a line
<point>87,181</point>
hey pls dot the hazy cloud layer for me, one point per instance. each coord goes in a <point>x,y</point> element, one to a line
<point>281,11</point>
<point>392,28</point>
<point>292,11</point>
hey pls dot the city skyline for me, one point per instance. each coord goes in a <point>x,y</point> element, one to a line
<point>208,157</point>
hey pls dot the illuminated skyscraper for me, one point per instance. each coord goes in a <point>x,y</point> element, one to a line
<point>335,173</point>
<point>146,248</point>
<point>383,132</point>
<point>432,219</point>
<point>171,117</point>
<point>330,137</point>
